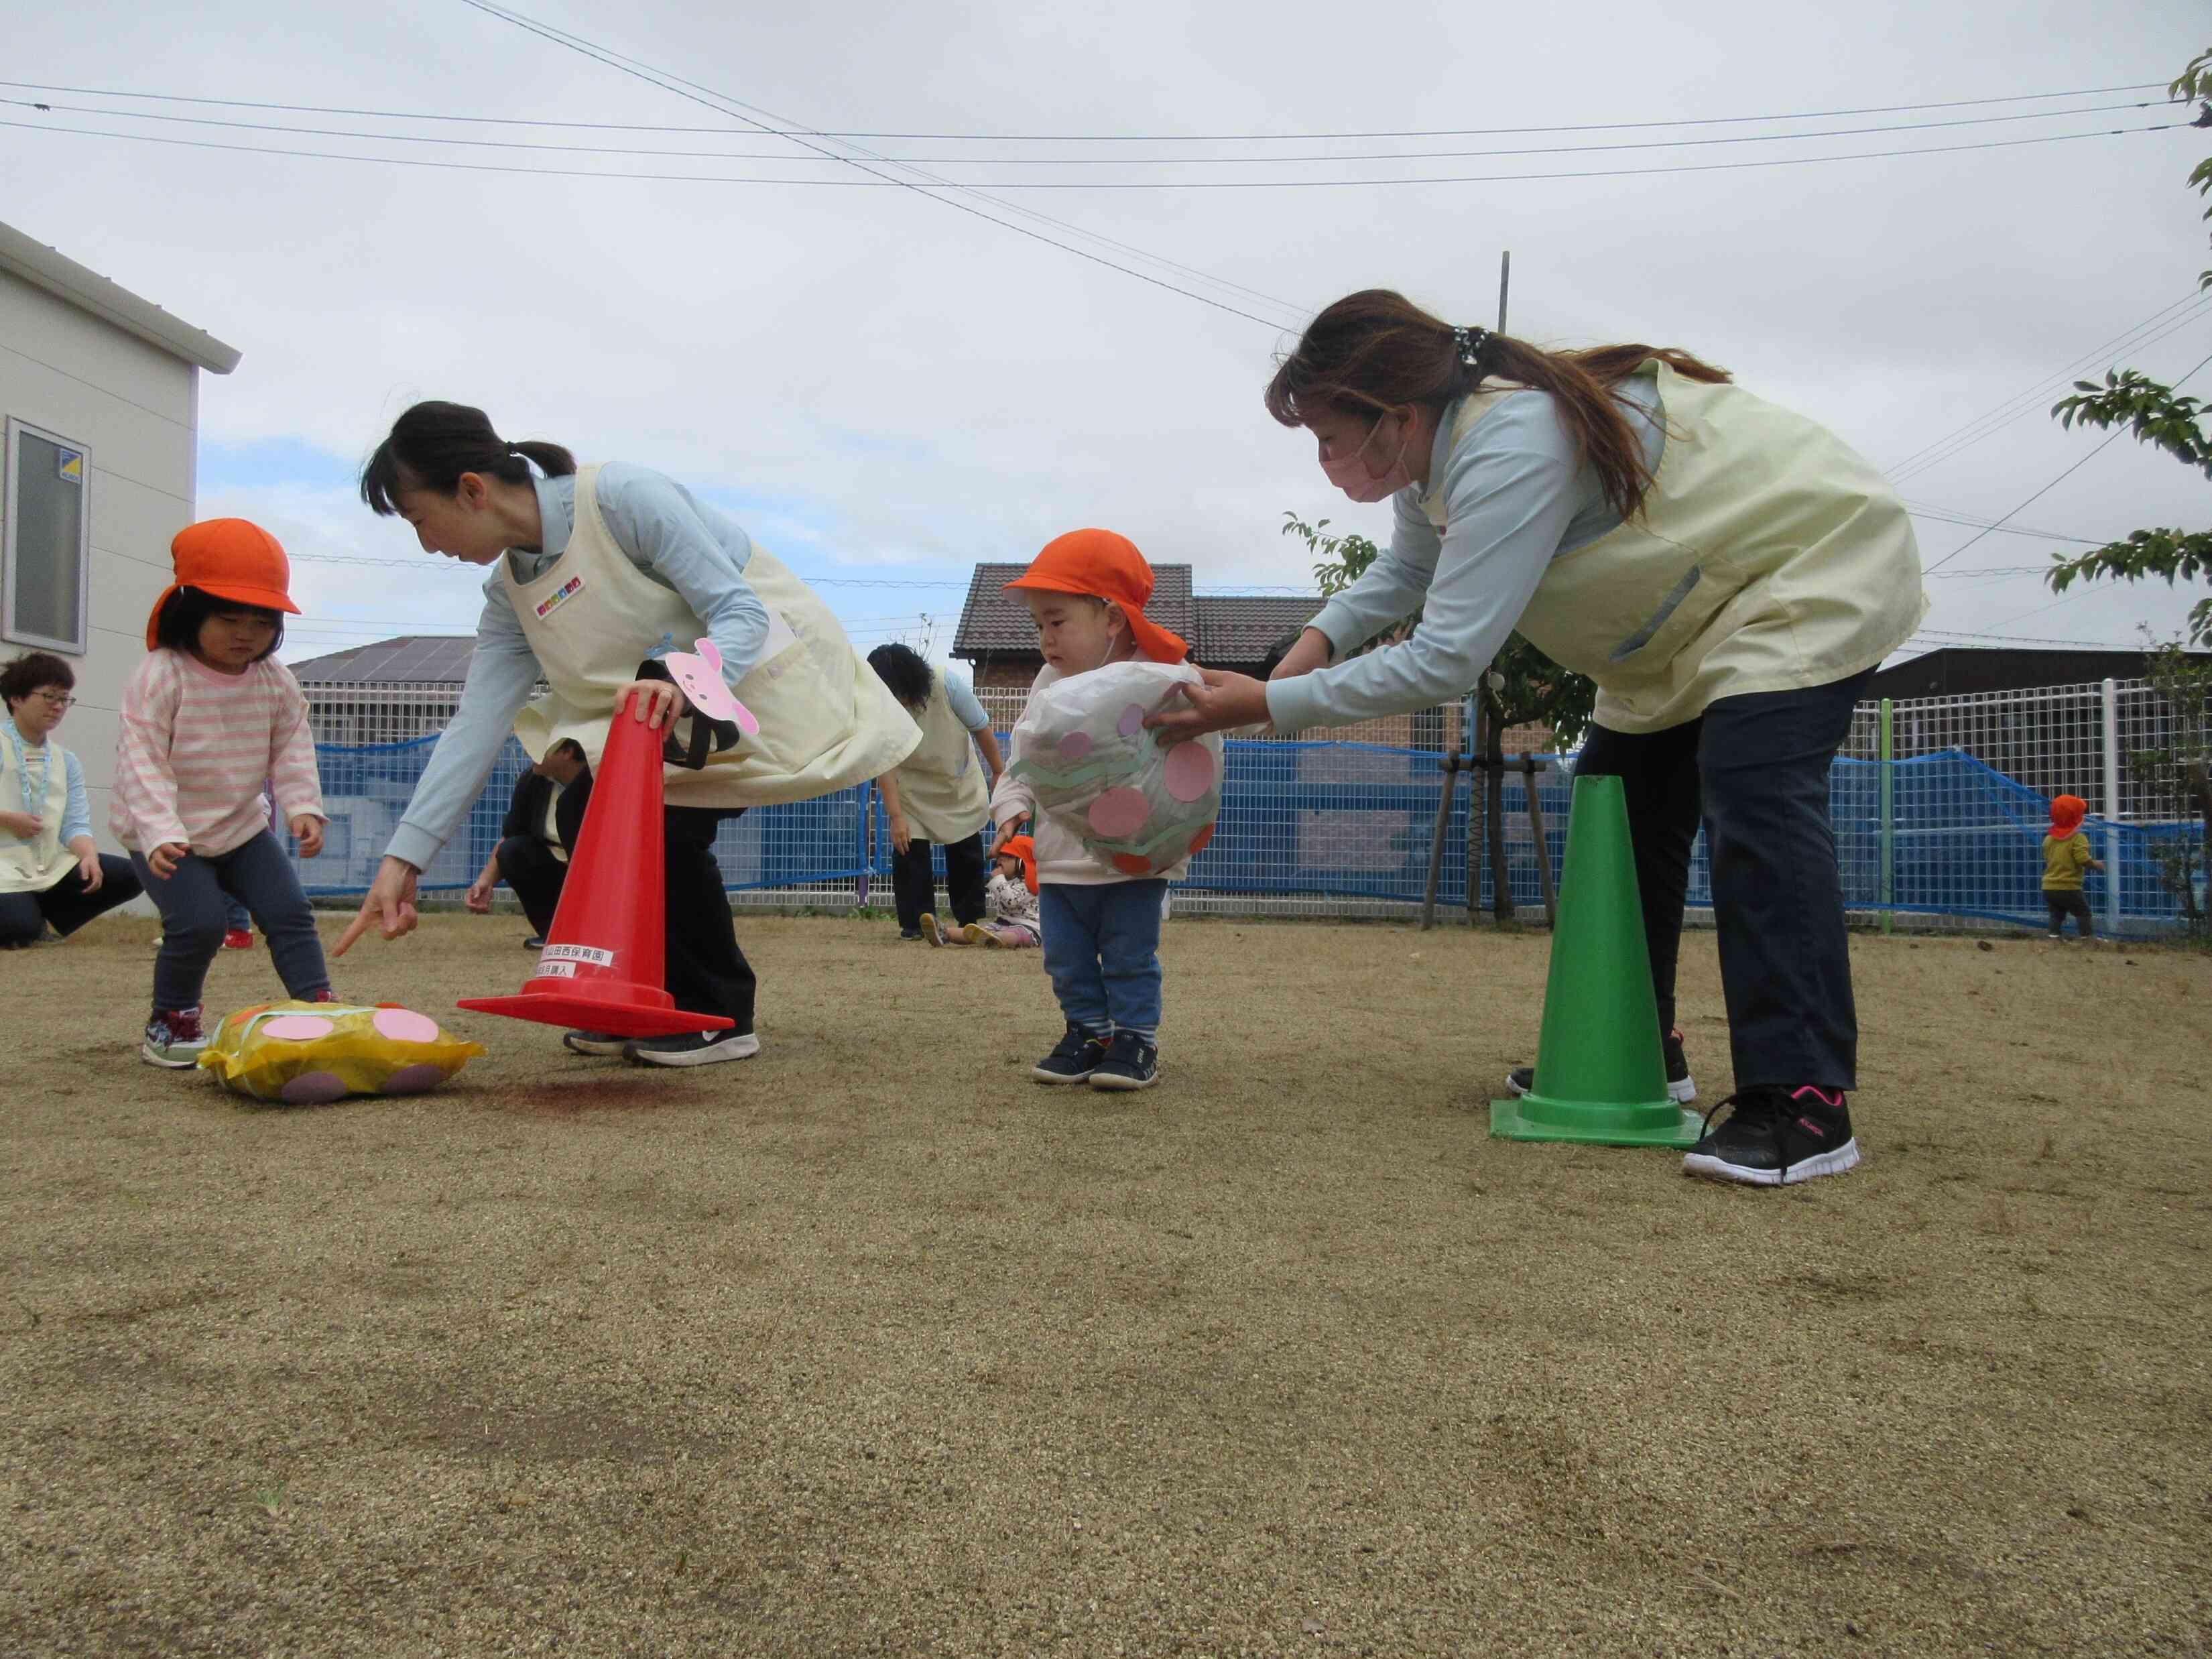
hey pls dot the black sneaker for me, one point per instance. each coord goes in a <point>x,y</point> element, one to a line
<point>1522,1079</point>
<point>535,942</point>
<point>1777,1138</point>
<point>1131,1062</point>
<point>910,935</point>
<point>1073,1060</point>
<point>692,1048</point>
<point>593,1042</point>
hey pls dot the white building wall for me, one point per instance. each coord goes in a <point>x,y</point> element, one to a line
<point>134,409</point>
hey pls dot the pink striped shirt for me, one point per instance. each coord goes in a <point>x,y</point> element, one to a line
<point>195,746</point>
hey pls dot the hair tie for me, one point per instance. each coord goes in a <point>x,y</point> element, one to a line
<point>1472,342</point>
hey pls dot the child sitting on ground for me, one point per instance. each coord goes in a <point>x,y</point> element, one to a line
<point>205,718</point>
<point>1009,900</point>
<point>1103,861</point>
<point>2065,856</point>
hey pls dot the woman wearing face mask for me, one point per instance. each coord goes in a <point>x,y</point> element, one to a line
<point>597,569</point>
<point>1728,573</point>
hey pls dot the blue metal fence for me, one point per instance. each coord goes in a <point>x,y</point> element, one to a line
<point>1352,822</point>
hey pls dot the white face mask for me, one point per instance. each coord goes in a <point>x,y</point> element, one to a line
<point>1351,473</point>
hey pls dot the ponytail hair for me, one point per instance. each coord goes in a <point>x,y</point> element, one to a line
<point>434,443</point>
<point>1376,351</point>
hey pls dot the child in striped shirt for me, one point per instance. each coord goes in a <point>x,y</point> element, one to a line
<point>208,716</point>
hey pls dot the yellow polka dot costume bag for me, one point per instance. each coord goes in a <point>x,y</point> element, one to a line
<point>308,1054</point>
<point>1082,749</point>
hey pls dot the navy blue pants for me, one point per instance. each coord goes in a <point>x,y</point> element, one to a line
<point>195,904</point>
<point>1755,771</point>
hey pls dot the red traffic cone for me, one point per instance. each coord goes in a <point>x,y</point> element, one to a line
<point>601,966</point>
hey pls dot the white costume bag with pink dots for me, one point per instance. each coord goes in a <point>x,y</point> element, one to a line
<point>1082,750</point>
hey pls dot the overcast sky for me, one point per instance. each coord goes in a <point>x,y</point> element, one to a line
<point>886,389</point>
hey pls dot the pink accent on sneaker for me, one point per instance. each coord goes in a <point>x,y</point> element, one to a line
<point>1831,1099</point>
<point>326,995</point>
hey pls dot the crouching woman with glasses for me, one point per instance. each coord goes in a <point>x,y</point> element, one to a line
<point>51,872</point>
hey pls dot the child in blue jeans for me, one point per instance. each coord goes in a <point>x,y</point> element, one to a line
<point>1086,591</point>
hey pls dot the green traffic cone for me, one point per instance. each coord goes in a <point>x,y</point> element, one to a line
<point>1600,1076</point>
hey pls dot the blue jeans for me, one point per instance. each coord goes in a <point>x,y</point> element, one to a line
<point>1102,947</point>
<point>195,905</point>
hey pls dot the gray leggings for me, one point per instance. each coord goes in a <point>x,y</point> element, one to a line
<point>195,907</point>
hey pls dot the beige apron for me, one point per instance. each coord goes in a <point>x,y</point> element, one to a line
<point>33,866</point>
<point>1768,558</point>
<point>826,721</point>
<point>942,790</point>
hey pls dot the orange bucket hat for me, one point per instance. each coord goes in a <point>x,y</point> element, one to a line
<point>1105,566</point>
<point>2066,814</point>
<point>1022,848</point>
<point>233,559</point>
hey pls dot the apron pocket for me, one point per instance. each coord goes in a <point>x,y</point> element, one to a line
<point>1643,636</point>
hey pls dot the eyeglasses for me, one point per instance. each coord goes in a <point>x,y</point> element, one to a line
<point>57,700</point>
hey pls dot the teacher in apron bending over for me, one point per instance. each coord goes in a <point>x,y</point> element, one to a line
<point>1728,573</point>
<point>597,569</point>
<point>937,794</point>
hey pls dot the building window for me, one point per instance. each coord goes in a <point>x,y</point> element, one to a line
<point>44,540</point>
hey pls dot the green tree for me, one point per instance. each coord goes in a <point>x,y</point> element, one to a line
<point>2155,416</point>
<point>2178,775</point>
<point>1523,687</point>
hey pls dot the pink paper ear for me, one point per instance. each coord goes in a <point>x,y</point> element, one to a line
<point>700,676</point>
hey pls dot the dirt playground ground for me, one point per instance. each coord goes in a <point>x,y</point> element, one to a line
<point>872,1346</point>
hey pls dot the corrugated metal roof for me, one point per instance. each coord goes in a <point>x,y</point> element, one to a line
<point>413,659</point>
<point>1223,629</point>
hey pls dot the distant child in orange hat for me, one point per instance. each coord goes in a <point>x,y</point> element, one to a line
<point>2065,856</point>
<point>1011,921</point>
<point>207,717</point>
<point>1100,916</point>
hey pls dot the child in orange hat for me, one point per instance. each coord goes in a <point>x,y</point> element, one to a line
<point>1011,921</point>
<point>2065,857</point>
<point>1100,914</point>
<point>207,717</point>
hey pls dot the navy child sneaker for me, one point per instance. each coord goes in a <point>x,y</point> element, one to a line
<point>1074,1060</point>
<point>1132,1061</point>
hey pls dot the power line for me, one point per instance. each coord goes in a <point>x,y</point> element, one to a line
<point>1070,161</point>
<point>2149,332</point>
<point>675,85</point>
<point>1097,138</point>
<point>879,180</point>
<point>2115,432</point>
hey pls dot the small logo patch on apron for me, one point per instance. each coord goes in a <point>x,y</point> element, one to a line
<point>559,597</point>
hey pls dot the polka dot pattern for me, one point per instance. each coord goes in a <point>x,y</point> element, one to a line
<point>1132,721</point>
<point>297,1028</point>
<point>404,1025</point>
<point>413,1079</point>
<point>1189,771</point>
<point>1074,745</point>
<point>1120,813</point>
<point>313,1089</point>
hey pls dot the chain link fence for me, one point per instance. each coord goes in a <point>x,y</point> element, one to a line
<point>1938,803</point>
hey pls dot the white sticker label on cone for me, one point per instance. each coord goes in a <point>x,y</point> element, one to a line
<point>572,953</point>
<point>556,970</point>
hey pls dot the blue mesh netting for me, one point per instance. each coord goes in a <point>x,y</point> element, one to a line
<point>1354,821</point>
